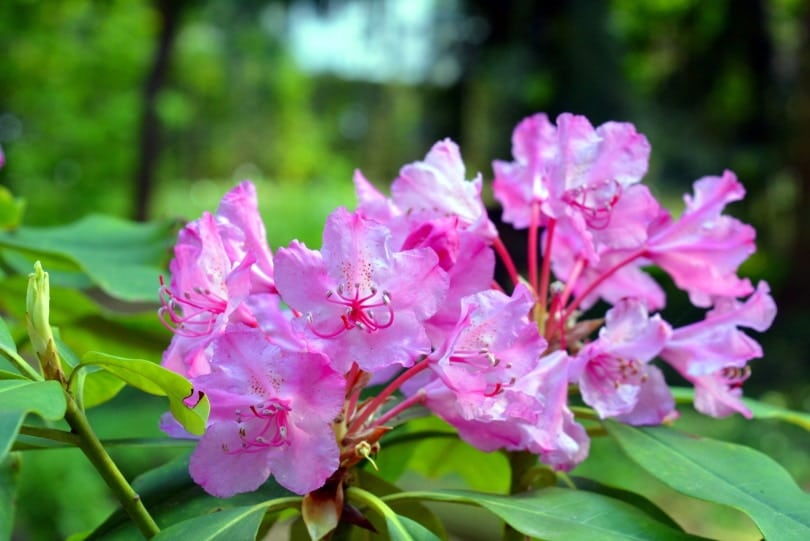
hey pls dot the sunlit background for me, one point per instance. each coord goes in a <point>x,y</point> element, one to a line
<point>154,109</point>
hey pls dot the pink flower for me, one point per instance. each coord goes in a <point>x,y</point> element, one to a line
<point>362,302</point>
<point>433,206</point>
<point>206,292</point>
<point>528,415</point>
<point>242,231</point>
<point>436,187</point>
<point>613,370</point>
<point>570,170</point>
<point>219,261</point>
<point>703,248</point>
<point>713,354</point>
<point>468,261</point>
<point>492,385</point>
<point>655,403</point>
<point>265,418</point>
<point>492,346</point>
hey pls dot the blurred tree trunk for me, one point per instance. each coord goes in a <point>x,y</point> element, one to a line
<point>149,142</point>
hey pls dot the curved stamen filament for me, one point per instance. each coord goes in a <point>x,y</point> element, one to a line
<point>273,433</point>
<point>178,313</point>
<point>595,202</point>
<point>358,312</point>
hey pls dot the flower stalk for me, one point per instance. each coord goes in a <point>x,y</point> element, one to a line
<point>95,452</point>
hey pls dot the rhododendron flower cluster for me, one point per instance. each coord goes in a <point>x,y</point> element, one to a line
<point>401,294</point>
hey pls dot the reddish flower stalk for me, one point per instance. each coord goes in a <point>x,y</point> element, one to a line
<point>506,259</point>
<point>596,283</point>
<point>378,400</point>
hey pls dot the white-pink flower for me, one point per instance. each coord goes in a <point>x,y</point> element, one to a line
<point>612,371</point>
<point>703,248</point>
<point>713,354</point>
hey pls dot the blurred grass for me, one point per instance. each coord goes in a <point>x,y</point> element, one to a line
<point>290,210</point>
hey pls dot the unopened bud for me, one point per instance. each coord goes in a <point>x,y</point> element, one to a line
<point>37,313</point>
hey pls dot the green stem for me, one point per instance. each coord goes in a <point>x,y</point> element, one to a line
<point>107,443</point>
<point>583,412</point>
<point>51,434</point>
<point>396,530</point>
<point>95,452</point>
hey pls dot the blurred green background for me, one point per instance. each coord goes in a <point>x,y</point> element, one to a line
<point>154,109</point>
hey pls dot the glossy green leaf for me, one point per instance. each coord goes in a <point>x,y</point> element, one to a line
<point>171,497</point>
<point>62,271</point>
<point>725,473</point>
<point>562,514</point>
<point>608,464</point>
<point>122,258</point>
<point>760,410</point>
<point>7,345</point>
<point>7,374</point>
<point>402,528</point>
<point>226,525</point>
<point>45,398</point>
<point>18,398</point>
<point>10,358</point>
<point>154,379</point>
<point>91,385</point>
<point>99,387</point>
<point>408,530</point>
<point>636,500</point>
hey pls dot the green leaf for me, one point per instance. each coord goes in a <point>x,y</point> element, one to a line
<point>226,525</point>
<point>122,258</point>
<point>608,464</point>
<point>760,410</point>
<point>18,398</point>
<point>725,473</point>
<point>6,374</point>
<point>7,344</point>
<point>92,385</point>
<point>636,500</point>
<point>401,528</point>
<point>12,359</point>
<point>562,514</point>
<point>154,379</point>
<point>99,387</point>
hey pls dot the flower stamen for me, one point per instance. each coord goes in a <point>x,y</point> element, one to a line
<point>359,310</point>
